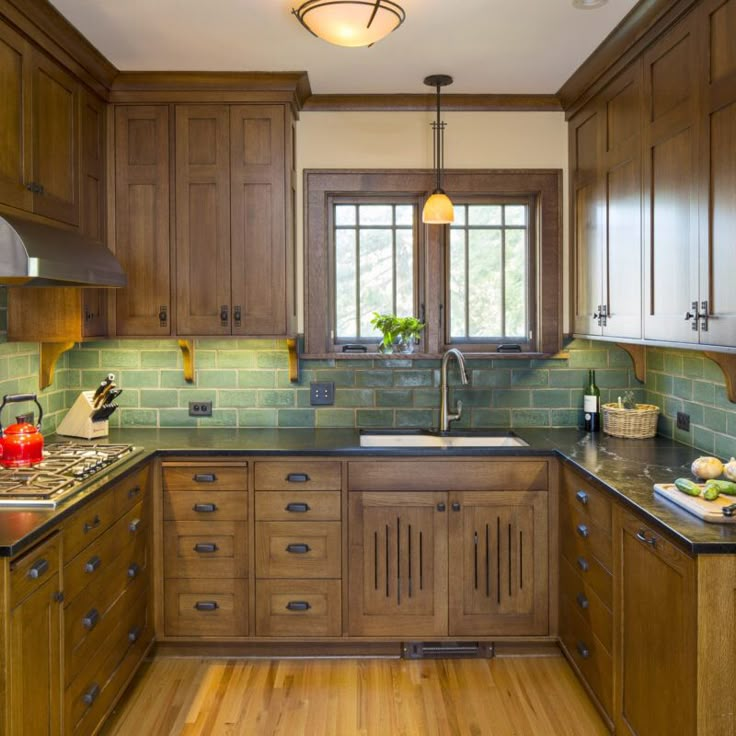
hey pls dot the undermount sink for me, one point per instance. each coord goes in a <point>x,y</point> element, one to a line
<point>428,438</point>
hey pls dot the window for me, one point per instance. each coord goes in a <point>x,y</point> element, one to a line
<point>489,282</point>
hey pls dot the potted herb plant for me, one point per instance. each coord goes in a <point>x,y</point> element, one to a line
<point>400,334</point>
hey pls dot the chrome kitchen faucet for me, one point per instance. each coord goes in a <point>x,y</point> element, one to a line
<point>445,416</point>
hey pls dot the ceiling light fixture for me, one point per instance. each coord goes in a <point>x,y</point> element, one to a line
<point>350,22</point>
<point>438,209</point>
<point>588,4</point>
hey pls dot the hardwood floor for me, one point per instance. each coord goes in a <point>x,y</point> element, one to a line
<point>511,696</point>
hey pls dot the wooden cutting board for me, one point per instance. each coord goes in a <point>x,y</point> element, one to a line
<point>706,510</point>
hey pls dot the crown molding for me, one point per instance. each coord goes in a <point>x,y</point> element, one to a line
<point>407,103</point>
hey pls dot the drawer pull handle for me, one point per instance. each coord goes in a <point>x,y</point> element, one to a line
<point>583,564</point>
<point>204,508</point>
<point>204,478</point>
<point>134,570</point>
<point>582,600</point>
<point>642,536</point>
<point>207,547</point>
<point>92,564</point>
<point>206,605</point>
<point>59,596</point>
<point>297,549</point>
<point>297,478</point>
<point>91,619</point>
<point>38,568</point>
<point>134,634</point>
<point>134,526</point>
<point>90,525</point>
<point>441,506</point>
<point>583,650</point>
<point>583,531</point>
<point>133,492</point>
<point>297,606</point>
<point>90,696</point>
<point>455,506</point>
<point>582,496</point>
<point>297,508</point>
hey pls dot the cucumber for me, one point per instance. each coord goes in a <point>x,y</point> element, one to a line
<point>724,486</point>
<point>710,492</point>
<point>687,486</point>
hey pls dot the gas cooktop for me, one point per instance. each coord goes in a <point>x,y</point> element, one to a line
<point>61,473</point>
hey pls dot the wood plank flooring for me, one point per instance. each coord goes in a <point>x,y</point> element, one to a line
<point>505,696</point>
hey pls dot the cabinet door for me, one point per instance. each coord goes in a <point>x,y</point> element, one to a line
<point>671,186</point>
<point>203,220</point>
<point>142,219</point>
<point>54,140</point>
<point>498,559</point>
<point>398,564</point>
<point>15,156</point>
<point>718,173</point>
<point>258,233</point>
<point>587,224</point>
<point>654,639</point>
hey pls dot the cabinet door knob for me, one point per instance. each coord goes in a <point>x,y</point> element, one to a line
<point>583,564</point>
<point>297,508</point>
<point>91,694</point>
<point>163,315</point>
<point>583,531</point>
<point>134,526</point>
<point>455,506</point>
<point>583,650</point>
<point>224,314</point>
<point>441,506</point>
<point>297,548</point>
<point>134,491</point>
<point>38,568</point>
<point>134,634</point>
<point>582,496</point>
<point>582,600</point>
<point>92,564</point>
<point>90,525</point>
<point>134,570</point>
<point>90,619</point>
<point>298,606</point>
<point>237,315</point>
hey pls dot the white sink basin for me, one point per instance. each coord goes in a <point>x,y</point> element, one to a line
<point>421,438</point>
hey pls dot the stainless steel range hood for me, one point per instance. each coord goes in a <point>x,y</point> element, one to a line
<point>32,254</point>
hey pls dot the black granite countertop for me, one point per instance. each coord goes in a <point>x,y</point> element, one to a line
<point>626,468</point>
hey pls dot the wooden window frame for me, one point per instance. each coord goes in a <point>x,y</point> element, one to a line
<point>322,186</point>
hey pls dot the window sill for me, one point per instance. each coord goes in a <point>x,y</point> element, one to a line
<point>562,355</point>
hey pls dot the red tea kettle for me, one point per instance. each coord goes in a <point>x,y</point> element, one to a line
<point>21,443</point>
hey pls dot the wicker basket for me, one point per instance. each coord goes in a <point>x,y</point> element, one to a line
<point>636,423</point>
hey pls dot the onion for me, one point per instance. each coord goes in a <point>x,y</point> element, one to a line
<point>706,467</point>
<point>729,469</point>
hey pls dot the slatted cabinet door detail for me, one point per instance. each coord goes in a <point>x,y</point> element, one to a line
<point>498,563</point>
<point>398,564</point>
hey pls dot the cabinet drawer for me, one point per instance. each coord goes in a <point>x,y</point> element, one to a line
<point>205,476</point>
<point>577,594</point>
<point>34,568</point>
<point>303,475</point>
<point>298,608</point>
<point>590,570</point>
<point>586,538</point>
<point>592,504</point>
<point>309,549</point>
<point>197,549</point>
<point>88,524</point>
<point>592,660</point>
<point>298,505</point>
<point>206,506</point>
<point>106,553</point>
<point>448,475</point>
<point>206,608</point>
<point>129,491</point>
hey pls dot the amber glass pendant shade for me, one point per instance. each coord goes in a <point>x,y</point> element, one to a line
<point>438,210</point>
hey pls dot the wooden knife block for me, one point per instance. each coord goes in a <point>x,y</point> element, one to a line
<point>78,421</point>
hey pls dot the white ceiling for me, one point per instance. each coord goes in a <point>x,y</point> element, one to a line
<point>488,46</point>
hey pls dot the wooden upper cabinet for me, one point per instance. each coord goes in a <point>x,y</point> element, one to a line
<point>142,219</point>
<point>670,191</point>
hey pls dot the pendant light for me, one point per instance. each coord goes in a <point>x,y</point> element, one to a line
<point>438,209</point>
<point>350,22</point>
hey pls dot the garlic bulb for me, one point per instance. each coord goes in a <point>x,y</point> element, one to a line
<point>706,467</point>
<point>729,469</point>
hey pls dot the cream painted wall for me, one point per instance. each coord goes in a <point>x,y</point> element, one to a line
<point>396,140</point>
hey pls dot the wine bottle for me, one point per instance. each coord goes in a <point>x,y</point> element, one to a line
<point>592,404</point>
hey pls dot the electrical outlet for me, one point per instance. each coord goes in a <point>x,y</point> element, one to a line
<point>200,408</point>
<point>683,421</point>
<point>322,394</point>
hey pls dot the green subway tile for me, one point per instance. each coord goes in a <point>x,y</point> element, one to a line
<point>394,364</point>
<point>220,418</point>
<point>530,378</point>
<point>712,372</point>
<point>551,398</point>
<point>236,359</point>
<point>19,366</point>
<point>655,359</point>
<point>256,379</point>
<point>258,344</point>
<point>665,426</point>
<point>84,359</point>
<point>693,367</point>
<point>273,360</point>
<point>159,398</point>
<point>673,364</point>
<point>277,397</point>
<point>339,377</point>
<point>374,378</point>
<point>511,398</point>
<point>695,411</point>
<point>196,394</point>
<point>495,378</point>
<point>114,360</point>
<point>568,378</point>
<point>315,364</point>
<point>303,397</point>
<point>138,379</point>
<point>426,397</point>
<point>219,343</point>
<point>664,383</point>
<point>159,359</point>
<point>471,397</point>
<point>217,379</point>
<point>413,378</point>
<point>612,379</point>
<point>580,343</point>
<point>296,418</point>
<point>529,418</point>
<point>682,387</point>
<point>394,397</point>
<point>490,418</point>
<point>374,417</point>
<point>618,358</point>
<point>588,359</point>
<point>732,424</point>
<point>138,417</point>
<point>257,418</point>
<point>173,379</point>
<point>205,359</point>
<point>354,365</point>
<point>548,363</point>
<point>284,381</point>
<point>131,397</point>
<point>430,363</point>
<point>421,418</point>
<point>334,418</point>
<point>725,446</point>
<point>236,399</point>
<point>703,393</point>
<point>703,439</point>
<point>176,418</point>
<point>354,397</point>
<point>716,419</point>
<point>672,406</point>
<point>565,417</point>
<point>720,397</point>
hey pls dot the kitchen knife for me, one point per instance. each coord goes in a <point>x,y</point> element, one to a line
<point>113,394</point>
<point>104,412</point>
<point>729,510</point>
<point>103,385</point>
<point>102,399</point>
